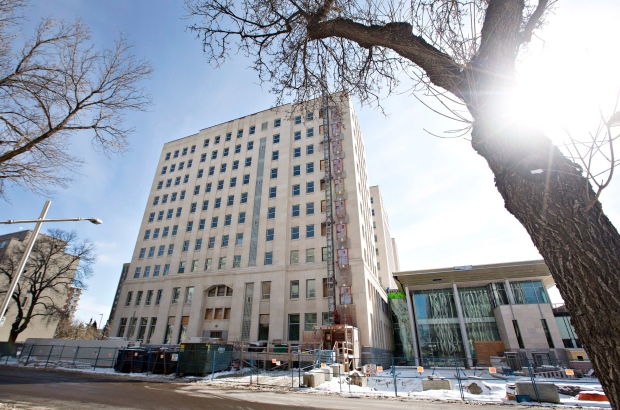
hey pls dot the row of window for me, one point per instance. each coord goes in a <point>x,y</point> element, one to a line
<point>148,300</point>
<point>271,214</point>
<point>194,266</point>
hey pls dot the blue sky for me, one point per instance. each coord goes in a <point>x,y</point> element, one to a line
<point>440,196</point>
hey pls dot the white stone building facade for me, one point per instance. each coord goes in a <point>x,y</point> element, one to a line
<point>232,244</point>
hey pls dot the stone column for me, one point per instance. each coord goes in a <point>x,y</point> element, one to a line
<point>459,311</point>
<point>414,333</point>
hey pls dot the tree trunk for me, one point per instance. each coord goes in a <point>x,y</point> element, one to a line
<point>580,246</point>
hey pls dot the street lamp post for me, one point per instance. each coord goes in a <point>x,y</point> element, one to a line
<point>29,246</point>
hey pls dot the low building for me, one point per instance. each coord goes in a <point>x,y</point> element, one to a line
<point>475,312</point>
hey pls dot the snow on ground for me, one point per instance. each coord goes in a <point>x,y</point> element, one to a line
<point>408,383</point>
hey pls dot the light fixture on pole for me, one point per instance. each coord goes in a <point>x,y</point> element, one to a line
<point>29,246</point>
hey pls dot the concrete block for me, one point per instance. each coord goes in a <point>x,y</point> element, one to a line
<point>313,379</point>
<point>358,379</point>
<point>548,392</point>
<point>329,373</point>
<point>337,369</point>
<point>436,384</point>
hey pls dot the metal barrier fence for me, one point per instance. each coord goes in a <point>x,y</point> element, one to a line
<point>285,370</point>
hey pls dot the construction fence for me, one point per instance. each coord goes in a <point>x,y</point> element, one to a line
<point>288,369</point>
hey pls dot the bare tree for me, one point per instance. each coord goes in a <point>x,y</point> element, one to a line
<point>464,51</point>
<point>54,86</point>
<point>58,260</point>
<point>76,329</point>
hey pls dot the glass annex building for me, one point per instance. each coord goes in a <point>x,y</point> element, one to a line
<point>477,312</point>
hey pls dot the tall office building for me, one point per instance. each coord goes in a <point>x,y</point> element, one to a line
<point>232,244</point>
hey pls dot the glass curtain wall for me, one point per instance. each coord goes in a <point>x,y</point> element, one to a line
<point>528,292</point>
<point>438,324</point>
<point>478,315</point>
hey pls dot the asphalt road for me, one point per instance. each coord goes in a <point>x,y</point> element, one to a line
<point>39,389</point>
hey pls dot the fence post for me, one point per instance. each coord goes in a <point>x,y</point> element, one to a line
<point>48,356</point>
<point>251,366</point>
<point>97,358</point>
<point>292,373</point>
<point>532,376</point>
<point>61,352</point>
<point>394,373</point>
<point>213,366</point>
<point>29,353</point>
<point>298,366</point>
<point>77,349</point>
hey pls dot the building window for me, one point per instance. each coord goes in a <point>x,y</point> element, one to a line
<point>310,117</point>
<point>310,132</point>
<point>169,183</point>
<point>181,165</point>
<point>293,327</point>
<point>189,294</point>
<point>222,264</point>
<point>295,211</point>
<point>297,119</point>
<point>271,212</point>
<point>175,228</point>
<point>205,205</point>
<point>211,242</point>
<point>265,290</point>
<point>244,197</point>
<point>163,170</point>
<point>515,325</point>
<point>310,231</point>
<point>147,234</point>
<point>294,257</point>
<point>128,300</point>
<point>252,129</point>
<point>294,294</point>
<point>296,152</point>
<point>214,222</point>
<point>214,154</point>
<point>547,333</point>
<point>324,254</point>
<point>166,269</point>
<point>274,173</point>
<point>165,232</point>
<point>168,215</point>
<point>237,148</point>
<point>228,136</point>
<point>208,263</point>
<point>310,149</point>
<point>158,298</point>
<point>275,155</point>
<point>276,138</point>
<point>269,236</point>
<point>272,192</point>
<point>181,267</point>
<point>233,182</point>
<point>296,170</point>
<point>198,244</point>
<point>203,158</point>
<point>295,232</point>
<point>309,187</point>
<point>223,168</point>
<point>151,251</point>
<point>310,255</point>
<point>310,208</point>
<point>224,241</point>
<point>184,152</point>
<point>250,145</point>
<point>185,246</point>
<point>241,218</point>
<point>170,248</point>
<point>263,126</point>
<point>149,297</point>
<point>239,240</point>
<point>211,170</point>
<point>176,292</point>
<point>142,253</point>
<point>167,156</point>
<point>227,219</point>
<point>179,210</point>
<point>248,161</point>
<point>310,321</point>
<point>190,226</point>
<point>239,133</point>
<point>196,189</point>
<point>237,261</point>
<point>176,154</point>
<point>268,258</point>
<point>218,203</point>
<point>276,123</point>
<point>160,184</point>
<point>309,167</point>
<point>231,200</point>
<point>296,190</point>
<point>151,216</point>
<point>220,184</point>
<point>121,327</point>
<point>157,270</point>
<point>246,179</point>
